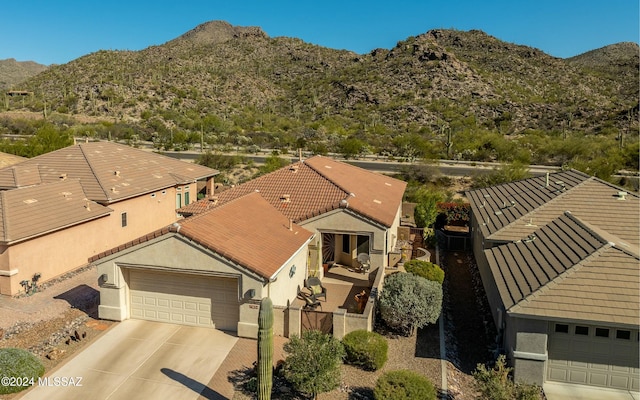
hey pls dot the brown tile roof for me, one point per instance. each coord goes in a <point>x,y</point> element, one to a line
<point>566,270</point>
<point>249,231</point>
<point>107,171</point>
<point>373,195</point>
<point>36,210</point>
<point>497,206</point>
<point>305,189</point>
<point>246,230</point>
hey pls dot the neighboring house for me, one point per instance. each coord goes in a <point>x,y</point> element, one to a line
<point>210,270</point>
<point>559,261</point>
<point>258,239</point>
<point>133,191</point>
<point>7,159</point>
<point>353,210</point>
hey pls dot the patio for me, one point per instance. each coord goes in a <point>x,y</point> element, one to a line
<point>342,284</point>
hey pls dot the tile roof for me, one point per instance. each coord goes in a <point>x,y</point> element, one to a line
<point>567,270</point>
<point>312,187</point>
<point>107,171</point>
<point>7,159</point>
<point>36,210</point>
<point>246,230</point>
<point>373,195</point>
<point>249,231</point>
<point>497,206</point>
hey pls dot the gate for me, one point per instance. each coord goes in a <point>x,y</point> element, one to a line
<point>316,320</point>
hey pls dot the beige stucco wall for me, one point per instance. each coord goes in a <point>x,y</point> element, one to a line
<point>345,221</point>
<point>174,253</point>
<point>59,252</point>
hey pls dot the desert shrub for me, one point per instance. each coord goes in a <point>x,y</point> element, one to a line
<point>313,362</point>
<point>425,270</point>
<point>403,385</point>
<point>408,302</point>
<point>20,364</point>
<point>365,349</point>
<point>495,384</point>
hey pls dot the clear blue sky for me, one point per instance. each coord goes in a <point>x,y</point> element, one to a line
<point>58,31</point>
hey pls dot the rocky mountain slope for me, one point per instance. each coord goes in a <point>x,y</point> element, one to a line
<point>220,79</point>
<point>14,72</point>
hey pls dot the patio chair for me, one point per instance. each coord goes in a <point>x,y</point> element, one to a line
<point>315,287</point>
<point>310,302</point>
<point>364,262</point>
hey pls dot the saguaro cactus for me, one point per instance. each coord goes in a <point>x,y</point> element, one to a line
<point>265,349</point>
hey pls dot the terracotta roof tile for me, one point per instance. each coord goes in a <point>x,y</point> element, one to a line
<point>107,171</point>
<point>249,231</point>
<point>305,189</point>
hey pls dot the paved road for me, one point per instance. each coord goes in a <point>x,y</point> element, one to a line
<point>446,167</point>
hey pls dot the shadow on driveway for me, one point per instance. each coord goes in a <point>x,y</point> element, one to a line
<point>194,385</point>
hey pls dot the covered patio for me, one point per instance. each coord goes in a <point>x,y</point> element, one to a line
<point>342,284</point>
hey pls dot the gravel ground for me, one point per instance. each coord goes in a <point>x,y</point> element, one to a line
<point>45,322</point>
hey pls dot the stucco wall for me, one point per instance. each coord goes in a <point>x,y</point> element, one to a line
<point>526,344</point>
<point>174,253</point>
<point>62,251</point>
<point>344,221</point>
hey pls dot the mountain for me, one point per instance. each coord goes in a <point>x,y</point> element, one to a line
<point>13,72</point>
<point>225,80</point>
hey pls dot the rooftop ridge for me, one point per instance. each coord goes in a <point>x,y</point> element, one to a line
<point>539,208</point>
<point>561,277</point>
<point>317,171</point>
<point>93,172</point>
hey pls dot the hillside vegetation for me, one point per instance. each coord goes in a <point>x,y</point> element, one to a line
<point>442,94</point>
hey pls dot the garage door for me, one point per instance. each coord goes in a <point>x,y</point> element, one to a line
<point>184,299</point>
<point>596,356</point>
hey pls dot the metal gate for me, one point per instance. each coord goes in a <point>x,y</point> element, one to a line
<point>316,320</point>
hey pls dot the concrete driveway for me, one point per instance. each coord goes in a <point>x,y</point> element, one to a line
<point>563,391</point>
<point>141,360</point>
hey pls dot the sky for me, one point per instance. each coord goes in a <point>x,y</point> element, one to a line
<point>59,31</point>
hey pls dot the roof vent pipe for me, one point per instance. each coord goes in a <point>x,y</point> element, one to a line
<point>546,183</point>
<point>290,224</point>
<point>622,195</point>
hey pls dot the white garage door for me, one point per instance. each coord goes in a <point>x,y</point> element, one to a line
<point>596,356</point>
<point>184,299</point>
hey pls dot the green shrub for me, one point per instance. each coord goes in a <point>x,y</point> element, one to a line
<point>408,302</point>
<point>313,362</point>
<point>20,364</point>
<point>495,384</point>
<point>425,269</point>
<point>404,385</point>
<point>365,349</point>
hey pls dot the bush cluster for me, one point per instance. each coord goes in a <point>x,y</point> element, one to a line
<point>402,385</point>
<point>365,349</point>
<point>425,269</point>
<point>408,302</point>
<point>495,383</point>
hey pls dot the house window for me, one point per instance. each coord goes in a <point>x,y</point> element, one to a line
<point>346,243</point>
<point>123,219</point>
<point>562,328</point>
<point>602,332</point>
<point>178,200</point>
<point>186,198</point>
<point>582,330</point>
<point>623,334</point>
